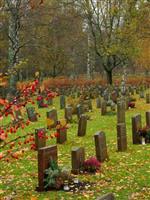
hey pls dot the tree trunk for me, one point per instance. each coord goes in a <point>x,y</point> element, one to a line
<point>13,32</point>
<point>109,77</point>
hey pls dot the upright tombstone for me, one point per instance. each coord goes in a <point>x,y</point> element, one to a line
<point>18,115</point>
<point>90,104</point>
<point>113,106</point>
<point>52,118</point>
<point>79,110</point>
<point>103,107</point>
<point>62,136</point>
<point>50,101</point>
<point>45,155</point>
<point>142,94</point>
<point>40,138</point>
<point>114,96</point>
<point>109,196</point>
<point>121,112</point>
<point>132,91</point>
<point>121,137</point>
<point>136,125</point>
<point>106,94</point>
<point>68,114</point>
<point>148,118</point>
<point>137,90</point>
<point>32,116</point>
<point>148,98</point>
<point>82,125</point>
<point>77,159</point>
<point>127,100</point>
<point>98,102</point>
<point>62,101</point>
<point>100,146</point>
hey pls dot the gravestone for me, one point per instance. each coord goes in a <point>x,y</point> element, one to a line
<point>100,146</point>
<point>121,137</point>
<point>136,125</point>
<point>127,100</point>
<point>79,110</point>
<point>40,138</point>
<point>87,105</point>
<point>62,102</point>
<point>82,125</point>
<point>89,102</point>
<point>32,116</point>
<point>45,155</point>
<point>148,98</point>
<point>78,158</point>
<point>114,96</point>
<point>142,94</point>
<point>137,90</point>
<point>121,112</point>
<point>52,118</point>
<point>113,106</point>
<point>98,102</point>
<point>62,136</point>
<point>106,94</point>
<point>103,107</point>
<point>50,101</point>
<point>109,196</point>
<point>68,114</point>
<point>148,118</point>
<point>18,115</point>
<point>131,90</point>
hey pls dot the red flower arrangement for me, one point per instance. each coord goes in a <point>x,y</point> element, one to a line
<point>91,165</point>
<point>144,132</point>
<point>131,105</point>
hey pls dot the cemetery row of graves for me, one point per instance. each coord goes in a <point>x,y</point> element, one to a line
<point>76,143</point>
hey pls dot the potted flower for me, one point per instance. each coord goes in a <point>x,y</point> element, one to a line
<point>131,105</point>
<point>91,165</point>
<point>144,133</point>
<point>40,102</point>
<point>55,178</point>
<point>52,177</point>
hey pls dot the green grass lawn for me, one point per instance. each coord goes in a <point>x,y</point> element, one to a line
<point>126,174</point>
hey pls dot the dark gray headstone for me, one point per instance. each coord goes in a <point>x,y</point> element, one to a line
<point>148,118</point>
<point>114,96</point>
<point>62,102</point>
<point>82,125</point>
<point>31,114</point>
<point>50,101</point>
<point>98,102</point>
<point>52,118</point>
<point>100,146</point>
<point>40,138</point>
<point>121,137</point>
<point>142,94</point>
<point>68,114</point>
<point>136,125</point>
<point>121,112</point>
<point>148,98</point>
<point>62,136</point>
<point>78,157</point>
<point>18,115</point>
<point>109,196</point>
<point>103,107</point>
<point>79,110</point>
